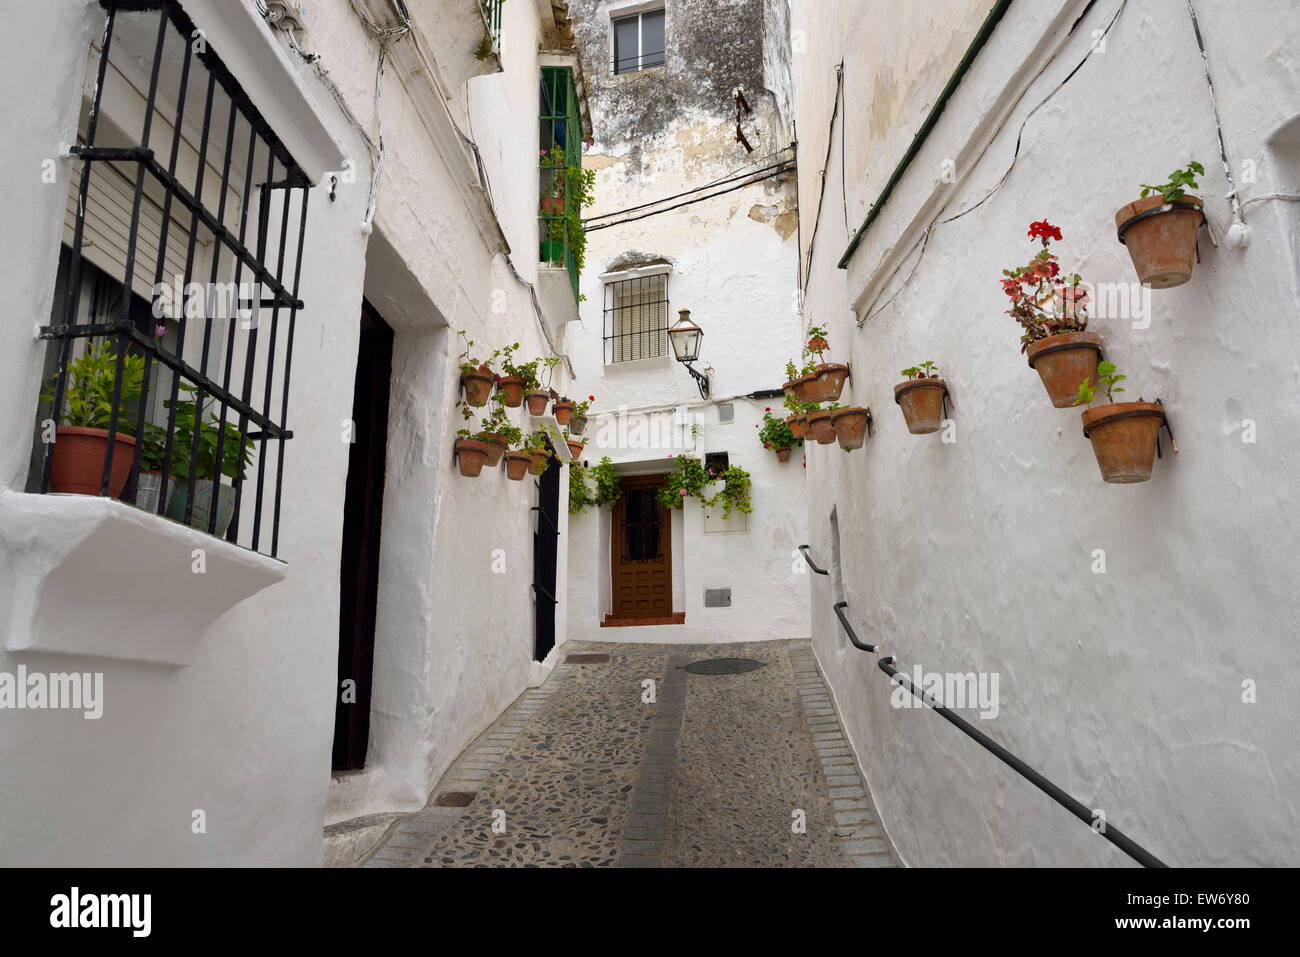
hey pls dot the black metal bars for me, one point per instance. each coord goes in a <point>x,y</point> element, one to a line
<point>198,445</point>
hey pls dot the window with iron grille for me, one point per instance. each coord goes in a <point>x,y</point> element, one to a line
<point>176,303</point>
<point>638,41</point>
<point>559,153</point>
<point>636,318</point>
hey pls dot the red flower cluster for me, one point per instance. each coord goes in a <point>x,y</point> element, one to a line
<point>818,345</point>
<point>1045,230</point>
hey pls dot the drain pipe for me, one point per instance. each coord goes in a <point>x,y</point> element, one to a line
<point>985,31</point>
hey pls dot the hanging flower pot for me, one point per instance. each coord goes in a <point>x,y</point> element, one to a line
<point>850,426</point>
<point>798,425</point>
<point>497,445</point>
<point>552,205</point>
<point>830,381</point>
<point>471,456</point>
<point>783,455</point>
<point>517,464</point>
<point>563,411</point>
<point>540,459</point>
<point>922,403</point>
<point>577,425</point>
<point>78,460</point>
<point>537,402</point>
<point>512,387</point>
<point>575,448</point>
<point>477,385</point>
<point>1160,229</point>
<point>1063,362</point>
<point>805,388</point>
<point>820,427</point>
<point>1123,437</point>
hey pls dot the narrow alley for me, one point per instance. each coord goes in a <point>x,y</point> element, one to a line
<point>654,755</point>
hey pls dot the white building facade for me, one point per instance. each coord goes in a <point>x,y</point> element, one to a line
<point>364,581</point>
<point>1140,632</point>
<point>694,210</point>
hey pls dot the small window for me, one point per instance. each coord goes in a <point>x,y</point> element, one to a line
<point>636,318</point>
<point>717,462</point>
<point>639,41</point>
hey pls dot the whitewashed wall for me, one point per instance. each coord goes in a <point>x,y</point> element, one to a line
<point>245,732</point>
<point>1125,687</point>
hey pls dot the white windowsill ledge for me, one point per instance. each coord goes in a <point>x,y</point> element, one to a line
<point>83,575</point>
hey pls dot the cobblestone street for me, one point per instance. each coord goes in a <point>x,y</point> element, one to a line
<point>745,769</point>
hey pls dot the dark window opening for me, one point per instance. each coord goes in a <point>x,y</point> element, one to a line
<point>716,462</point>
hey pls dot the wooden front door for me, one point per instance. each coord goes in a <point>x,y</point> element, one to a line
<point>642,560</point>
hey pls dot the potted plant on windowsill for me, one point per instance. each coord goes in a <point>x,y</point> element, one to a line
<point>1123,434</point>
<point>211,494</point>
<point>921,398</point>
<point>775,434</point>
<point>850,425</point>
<point>81,439</point>
<point>1160,230</point>
<point>830,375</point>
<point>1051,309</point>
<point>148,482</point>
<point>476,376</point>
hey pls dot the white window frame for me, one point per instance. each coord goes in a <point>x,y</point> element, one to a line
<point>626,11</point>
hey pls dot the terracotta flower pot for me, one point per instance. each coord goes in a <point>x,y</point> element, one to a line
<point>577,425</point>
<point>850,426</point>
<point>783,454</point>
<point>1162,246</point>
<point>517,464</point>
<point>513,388</point>
<point>1123,436</point>
<point>922,403</point>
<point>497,445</point>
<point>820,427</point>
<point>552,205</point>
<point>540,459</point>
<point>805,388</point>
<point>563,410</point>
<point>78,465</point>
<point>797,425</point>
<point>575,448</point>
<point>478,387</point>
<point>537,402</point>
<point>830,381</point>
<point>471,456</point>
<point>1063,362</point>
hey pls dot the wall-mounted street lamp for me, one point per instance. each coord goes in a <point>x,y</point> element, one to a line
<point>685,337</point>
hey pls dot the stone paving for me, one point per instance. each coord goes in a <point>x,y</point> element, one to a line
<point>634,762</point>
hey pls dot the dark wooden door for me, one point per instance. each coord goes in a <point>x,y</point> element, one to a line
<point>546,545</point>
<point>363,509</point>
<point>642,561</point>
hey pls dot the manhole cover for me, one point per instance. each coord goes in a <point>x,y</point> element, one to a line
<point>586,659</point>
<point>723,666</point>
<point>455,799</point>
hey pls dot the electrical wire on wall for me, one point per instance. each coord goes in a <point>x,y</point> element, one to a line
<point>830,141</point>
<point>924,241</point>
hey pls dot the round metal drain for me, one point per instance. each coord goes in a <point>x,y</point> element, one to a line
<point>723,666</point>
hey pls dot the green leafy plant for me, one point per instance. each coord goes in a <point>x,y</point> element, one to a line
<point>609,486</point>
<point>88,392</point>
<point>1044,302</point>
<point>791,371</point>
<point>816,346</point>
<point>688,478</point>
<point>1172,191</point>
<point>922,370</point>
<point>189,422</point>
<point>735,493</point>
<point>1107,379</point>
<point>581,408</point>
<point>775,434</point>
<point>153,448</point>
<point>468,363</point>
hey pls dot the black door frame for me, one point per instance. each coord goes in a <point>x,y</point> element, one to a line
<point>546,545</point>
